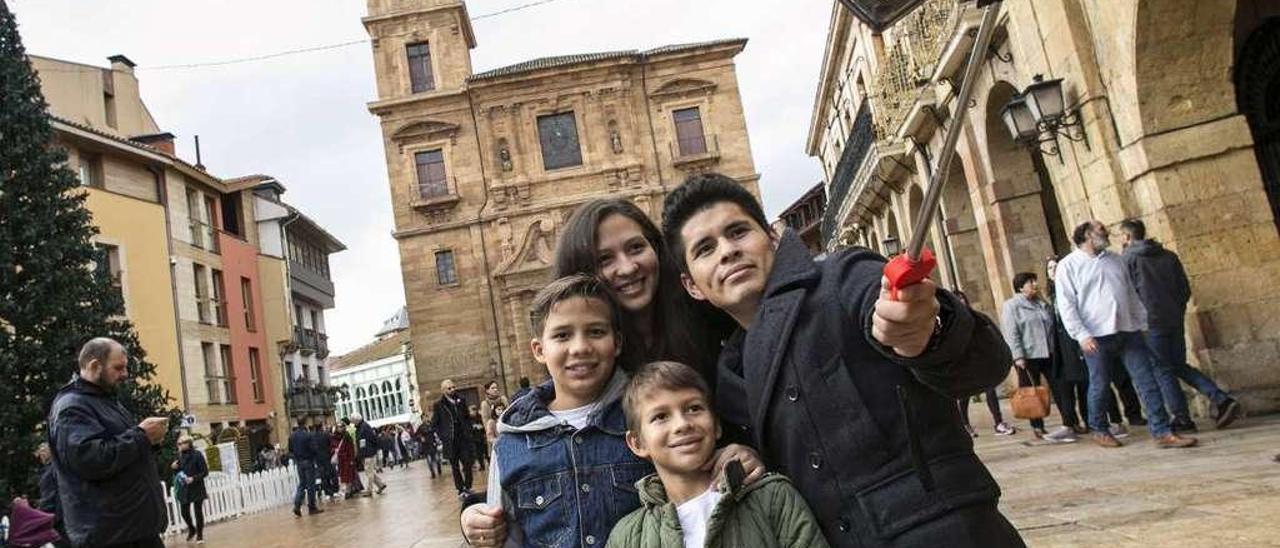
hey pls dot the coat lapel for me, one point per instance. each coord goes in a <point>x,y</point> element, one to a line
<point>762,354</point>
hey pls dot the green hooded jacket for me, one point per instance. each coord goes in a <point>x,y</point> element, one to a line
<point>766,514</point>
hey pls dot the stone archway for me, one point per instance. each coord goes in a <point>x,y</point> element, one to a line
<point>1016,191</point>
<point>961,228</point>
<point>1257,82</point>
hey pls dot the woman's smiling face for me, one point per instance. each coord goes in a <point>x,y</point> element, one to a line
<point>627,262</point>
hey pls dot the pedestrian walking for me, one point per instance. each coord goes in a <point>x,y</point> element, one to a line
<point>478,440</point>
<point>191,471</point>
<point>403,444</point>
<point>343,458</point>
<point>108,483</point>
<point>492,398</point>
<point>453,425</point>
<point>430,445</point>
<point>992,399</point>
<point>47,480</point>
<point>1163,287</point>
<point>326,472</point>
<point>1027,324</point>
<point>367,452</point>
<point>302,449</point>
<point>1101,310</point>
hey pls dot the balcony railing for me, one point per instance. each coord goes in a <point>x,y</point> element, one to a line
<point>861,137</point>
<point>693,149</point>
<point>308,399</point>
<point>310,341</point>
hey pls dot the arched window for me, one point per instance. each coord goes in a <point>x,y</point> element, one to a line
<point>375,402</point>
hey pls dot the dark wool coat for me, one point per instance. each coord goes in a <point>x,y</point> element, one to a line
<point>873,441</point>
<point>453,426</point>
<point>108,484</point>
<point>192,464</point>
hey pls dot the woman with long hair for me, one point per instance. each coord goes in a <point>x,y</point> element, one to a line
<point>615,241</point>
<point>191,470</point>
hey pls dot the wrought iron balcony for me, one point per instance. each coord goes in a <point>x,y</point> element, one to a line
<point>856,147</point>
<point>305,399</point>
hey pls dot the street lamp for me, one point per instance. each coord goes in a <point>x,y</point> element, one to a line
<point>891,246</point>
<point>1039,115</point>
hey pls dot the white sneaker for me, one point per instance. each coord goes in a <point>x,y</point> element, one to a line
<point>1004,429</point>
<point>1064,434</point>
<point>1119,431</point>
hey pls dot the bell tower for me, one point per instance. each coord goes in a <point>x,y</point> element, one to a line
<point>419,46</point>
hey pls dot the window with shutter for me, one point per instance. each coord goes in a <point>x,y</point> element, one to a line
<point>689,136</point>
<point>432,179</point>
<point>420,75</point>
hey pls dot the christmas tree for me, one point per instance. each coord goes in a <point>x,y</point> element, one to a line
<point>52,297</point>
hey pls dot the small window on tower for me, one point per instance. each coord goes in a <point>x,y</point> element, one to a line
<point>420,76</point>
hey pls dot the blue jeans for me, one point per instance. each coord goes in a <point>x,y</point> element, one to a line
<point>1132,350</point>
<point>306,484</point>
<point>1169,348</point>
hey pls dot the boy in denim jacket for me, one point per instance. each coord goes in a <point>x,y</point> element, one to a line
<point>562,471</point>
<point>671,423</point>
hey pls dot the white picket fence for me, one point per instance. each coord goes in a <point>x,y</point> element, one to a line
<point>233,495</point>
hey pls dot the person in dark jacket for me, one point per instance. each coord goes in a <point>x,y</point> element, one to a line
<point>524,389</point>
<point>429,443</point>
<point>325,470</point>
<point>452,424</point>
<point>302,449</point>
<point>192,470</point>
<point>846,390</point>
<point>1163,288</point>
<point>367,451</point>
<point>47,480</point>
<point>108,483</point>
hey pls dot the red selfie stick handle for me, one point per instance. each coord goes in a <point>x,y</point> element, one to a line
<point>902,271</point>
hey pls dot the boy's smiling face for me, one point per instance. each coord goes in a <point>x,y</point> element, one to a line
<point>578,345</point>
<point>675,429</point>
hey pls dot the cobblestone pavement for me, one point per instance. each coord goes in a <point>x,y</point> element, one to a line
<point>1225,493</point>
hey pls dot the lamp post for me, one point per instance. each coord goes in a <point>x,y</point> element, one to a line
<point>1039,115</point>
<point>891,246</point>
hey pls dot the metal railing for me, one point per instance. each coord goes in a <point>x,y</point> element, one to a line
<point>856,147</point>
<point>308,399</point>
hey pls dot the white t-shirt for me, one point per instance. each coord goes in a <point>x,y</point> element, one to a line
<point>576,417</point>
<point>694,515</point>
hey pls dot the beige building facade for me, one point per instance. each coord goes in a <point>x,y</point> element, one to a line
<point>1171,118</point>
<point>486,167</point>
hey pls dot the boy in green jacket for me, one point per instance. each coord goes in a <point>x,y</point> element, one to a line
<point>671,423</point>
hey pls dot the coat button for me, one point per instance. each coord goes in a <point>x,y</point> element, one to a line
<point>843,525</point>
<point>793,393</point>
<point>586,488</point>
<point>577,440</point>
<point>815,461</point>
<point>591,539</point>
<point>538,500</point>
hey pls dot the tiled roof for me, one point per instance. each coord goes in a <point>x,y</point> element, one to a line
<point>135,144</point>
<point>385,347</point>
<point>566,60</point>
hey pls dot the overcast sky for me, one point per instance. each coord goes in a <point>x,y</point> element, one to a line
<point>302,118</point>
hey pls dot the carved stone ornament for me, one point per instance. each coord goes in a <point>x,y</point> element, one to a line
<point>684,86</point>
<point>425,130</point>
<point>615,141</point>
<point>504,157</point>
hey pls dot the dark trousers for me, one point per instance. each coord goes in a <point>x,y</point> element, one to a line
<point>154,542</point>
<point>1132,406</point>
<point>461,466</point>
<point>186,516</point>
<point>433,464</point>
<point>1036,372</point>
<point>1070,396</point>
<point>1169,347</point>
<point>306,484</point>
<point>993,405</point>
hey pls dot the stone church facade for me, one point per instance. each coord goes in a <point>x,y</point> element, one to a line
<point>486,167</point>
<point>1171,117</point>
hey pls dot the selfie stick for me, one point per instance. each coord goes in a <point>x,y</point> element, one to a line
<point>917,262</point>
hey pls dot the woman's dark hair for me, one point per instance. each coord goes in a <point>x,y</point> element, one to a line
<point>680,327</point>
<point>488,384</point>
<point>1020,279</point>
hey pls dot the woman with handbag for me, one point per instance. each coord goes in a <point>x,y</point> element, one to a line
<point>1027,323</point>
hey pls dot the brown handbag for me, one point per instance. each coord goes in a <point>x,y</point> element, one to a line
<point>1030,402</point>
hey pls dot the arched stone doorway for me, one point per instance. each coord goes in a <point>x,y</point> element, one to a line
<point>961,228</point>
<point>1257,81</point>
<point>1021,195</point>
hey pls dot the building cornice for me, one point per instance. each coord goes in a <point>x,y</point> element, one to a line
<point>837,41</point>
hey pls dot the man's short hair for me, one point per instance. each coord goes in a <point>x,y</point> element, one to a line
<point>1081,233</point>
<point>524,382</point>
<point>568,287</point>
<point>357,417</point>
<point>1020,279</point>
<point>697,193</point>
<point>98,348</point>
<point>1135,228</point>
<point>662,375</point>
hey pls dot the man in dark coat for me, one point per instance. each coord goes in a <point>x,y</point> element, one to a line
<point>1164,290</point>
<point>848,391</point>
<point>453,426</point>
<point>367,451</point>
<point>108,485</point>
<point>302,448</point>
